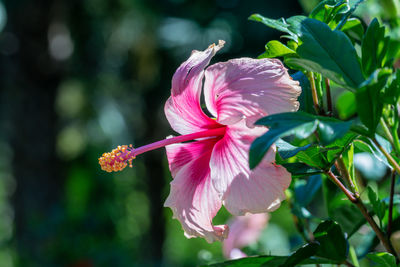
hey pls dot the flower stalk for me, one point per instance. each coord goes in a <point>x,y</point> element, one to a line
<point>355,199</point>
<point>310,76</point>
<point>391,160</point>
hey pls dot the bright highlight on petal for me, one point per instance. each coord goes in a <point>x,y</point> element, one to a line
<point>213,170</point>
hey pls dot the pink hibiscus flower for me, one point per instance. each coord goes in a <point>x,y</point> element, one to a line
<point>243,230</point>
<point>213,169</point>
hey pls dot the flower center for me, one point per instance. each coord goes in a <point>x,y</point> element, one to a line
<point>120,157</point>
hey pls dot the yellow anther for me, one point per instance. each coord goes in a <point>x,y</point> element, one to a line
<point>117,159</point>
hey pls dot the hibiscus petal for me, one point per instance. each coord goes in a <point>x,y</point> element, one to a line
<point>183,109</point>
<point>243,230</point>
<point>193,199</point>
<point>244,190</point>
<point>249,88</point>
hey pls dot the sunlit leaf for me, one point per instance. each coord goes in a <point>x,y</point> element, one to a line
<point>336,59</point>
<point>383,259</point>
<point>374,47</point>
<point>276,49</point>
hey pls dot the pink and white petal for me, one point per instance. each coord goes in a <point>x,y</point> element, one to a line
<point>249,88</point>
<point>182,108</point>
<point>182,153</point>
<point>193,199</point>
<point>241,189</point>
<point>261,191</point>
<point>243,230</point>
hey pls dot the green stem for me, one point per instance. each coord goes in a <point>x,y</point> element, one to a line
<point>339,164</point>
<point>391,160</point>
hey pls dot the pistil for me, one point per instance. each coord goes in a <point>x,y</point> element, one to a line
<point>119,158</point>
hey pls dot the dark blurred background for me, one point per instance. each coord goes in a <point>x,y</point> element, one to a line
<point>78,78</point>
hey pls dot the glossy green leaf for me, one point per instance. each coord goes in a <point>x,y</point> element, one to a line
<point>270,261</point>
<point>302,254</point>
<point>368,102</point>
<point>336,59</point>
<point>333,244</point>
<point>287,150</point>
<point>329,131</point>
<point>374,46</point>
<point>314,157</point>
<point>383,259</point>
<point>300,123</point>
<point>277,24</point>
<point>276,49</point>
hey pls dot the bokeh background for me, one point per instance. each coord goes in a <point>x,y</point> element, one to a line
<point>78,78</point>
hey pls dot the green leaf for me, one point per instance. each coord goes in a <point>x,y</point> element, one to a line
<point>348,160</point>
<point>287,150</point>
<point>393,51</point>
<point>270,261</point>
<point>391,94</point>
<point>368,102</point>
<point>348,216</point>
<point>300,123</point>
<point>336,59</point>
<point>378,206</point>
<point>383,259</point>
<point>329,131</point>
<point>299,169</point>
<point>333,244</point>
<point>365,145</point>
<point>276,49</point>
<point>281,125</point>
<point>280,25</point>
<point>314,157</point>
<point>374,46</point>
<point>330,12</point>
<point>346,105</point>
<point>302,254</point>
<point>341,144</point>
<point>354,29</point>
